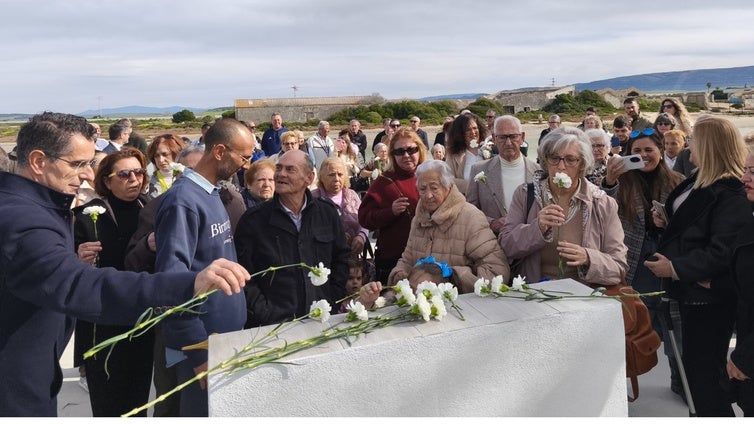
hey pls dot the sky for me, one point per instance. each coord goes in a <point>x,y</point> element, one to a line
<point>74,55</point>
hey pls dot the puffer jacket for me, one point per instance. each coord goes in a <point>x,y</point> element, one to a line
<point>456,233</point>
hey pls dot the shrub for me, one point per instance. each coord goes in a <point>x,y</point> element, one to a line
<point>229,114</point>
<point>183,116</point>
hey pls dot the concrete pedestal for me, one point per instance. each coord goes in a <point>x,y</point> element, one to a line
<point>508,358</point>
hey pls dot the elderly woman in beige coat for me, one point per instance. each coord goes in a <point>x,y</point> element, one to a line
<point>572,229</point>
<point>450,229</point>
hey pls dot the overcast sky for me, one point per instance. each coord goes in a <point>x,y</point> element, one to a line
<point>73,55</point>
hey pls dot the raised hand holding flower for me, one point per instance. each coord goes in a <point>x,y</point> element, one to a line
<point>563,182</point>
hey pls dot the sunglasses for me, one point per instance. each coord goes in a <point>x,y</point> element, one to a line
<point>414,122</point>
<point>403,151</point>
<point>664,123</point>
<point>667,106</point>
<point>645,131</point>
<point>395,125</point>
<point>125,174</point>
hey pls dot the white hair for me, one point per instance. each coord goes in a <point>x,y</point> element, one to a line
<point>446,175</point>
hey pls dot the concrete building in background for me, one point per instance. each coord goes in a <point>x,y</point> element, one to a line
<point>299,109</point>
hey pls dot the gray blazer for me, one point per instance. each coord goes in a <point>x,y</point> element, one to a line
<point>488,197</point>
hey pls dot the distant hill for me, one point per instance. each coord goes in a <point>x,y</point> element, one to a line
<point>464,96</point>
<point>14,117</point>
<point>694,80</point>
<point>140,110</point>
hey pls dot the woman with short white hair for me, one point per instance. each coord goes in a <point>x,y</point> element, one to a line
<point>600,150</point>
<point>451,230</point>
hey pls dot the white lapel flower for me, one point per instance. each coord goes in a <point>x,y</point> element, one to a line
<point>562,180</point>
<point>428,289</point>
<point>319,274</point>
<point>473,144</point>
<point>519,283</point>
<point>379,302</point>
<point>438,308</point>
<point>449,291</point>
<point>320,310</point>
<point>486,154</point>
<point>357,311</point>
<point>480,177</point>
<point>94,212</point>
<point>375,174</point>
<point>481,288</point>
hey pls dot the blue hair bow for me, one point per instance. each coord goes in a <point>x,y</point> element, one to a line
<point>447,271</point>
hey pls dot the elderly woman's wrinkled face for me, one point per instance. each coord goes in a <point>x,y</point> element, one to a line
<point>263,184</point>
<point>432,192</point>
<point>438,152</point>
<point>333,178</point>
<point>567,160</point>
<point>599,149</point>
<point>381,152</point>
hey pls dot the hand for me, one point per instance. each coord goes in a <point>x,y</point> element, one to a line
<point>222,274</point>
<point>550,216</point>
<point>203,381</point>
<point>661,267</point>
<point>615,168</point>
<point>369,293</point>
<point>151,243</point>
<point>88,251</point>
<point>574,254</point>
<point>400,205</point>
<point>734,372</point>
<point>398,276</point>
<point>657,219</point>
<point>615,150</point>
<point>357,245</point>
<point>497,224</point>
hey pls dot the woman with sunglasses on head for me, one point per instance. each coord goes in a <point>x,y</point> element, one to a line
<point>635,190</point>
<point>706,212</point>
<point>162,152</point>
<point>120,182</point>
<point>678,111</point>
<point>572,228</point>
<point>390,202</point>
<point>463,147</point>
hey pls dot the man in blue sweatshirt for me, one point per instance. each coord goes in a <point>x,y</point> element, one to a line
<point>44,286</point>
<point>192,229</point>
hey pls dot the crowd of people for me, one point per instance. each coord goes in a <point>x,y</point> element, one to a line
<point>190,215</point>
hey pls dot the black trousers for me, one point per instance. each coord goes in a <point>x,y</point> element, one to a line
<point>126,382</point>
<point>707,330</point>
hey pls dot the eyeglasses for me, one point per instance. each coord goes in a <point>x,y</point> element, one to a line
<point>125,174</point>
<point>598,146</point>
<point>243,158</point>
<point>749,170</point>
<point>77,164</point>
<point>663,123</point>
<point>511,137</point>
<point>570,161</point>
<point>403,151</point>
<point>289,144</point>
<point>668,106</point>
<point>414,122</point>
<point>645,131</point>
<point>490,116</point>
<point>395,125</point>
<point>553,122</point>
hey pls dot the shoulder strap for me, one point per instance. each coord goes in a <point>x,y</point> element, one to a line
<point>529,198</point>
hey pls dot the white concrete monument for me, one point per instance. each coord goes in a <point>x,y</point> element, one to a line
<point>508,358</point>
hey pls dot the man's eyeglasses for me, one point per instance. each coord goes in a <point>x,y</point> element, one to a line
<point>414,122</point>
<point>395,125</point>
<point>570,161</point>
<point>243,158</point>
<point>511,137</point>
<point>77,164</point>
<point>125,174</point>
<point>645,131</point>
<point>403,151</point>
<point>598,146</point>
<point>490,116</point>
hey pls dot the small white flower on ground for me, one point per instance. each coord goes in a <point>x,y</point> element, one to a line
<point>357,311</point>
<point>319,274</point>
<point>480,177</point>
<point>481,288</point>
<point>94,211</point>
<point>320,310</point>
<point>438,308</point>
<point>562,179</point>
<point>449,291</point>
<point>379,302</point>
<point>473,144</point>
<point>424,307</point>
<point>428,289</point>
<point>519,283</point>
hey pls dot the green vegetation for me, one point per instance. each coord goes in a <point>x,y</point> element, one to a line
<point>431,113</point>
<point>481,105</point>
<point>719,94</point>
<point>183,116</point>
<point>568,105</point>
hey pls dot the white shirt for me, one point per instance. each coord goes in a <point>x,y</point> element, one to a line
<point>514,175</point>
<point>471,158</point>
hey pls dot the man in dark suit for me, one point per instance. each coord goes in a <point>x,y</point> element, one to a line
<point>119,135</point>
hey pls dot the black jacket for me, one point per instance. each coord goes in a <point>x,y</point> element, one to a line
<point>266,236</point>
<point>700,236</point>
<point>743,276</point>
